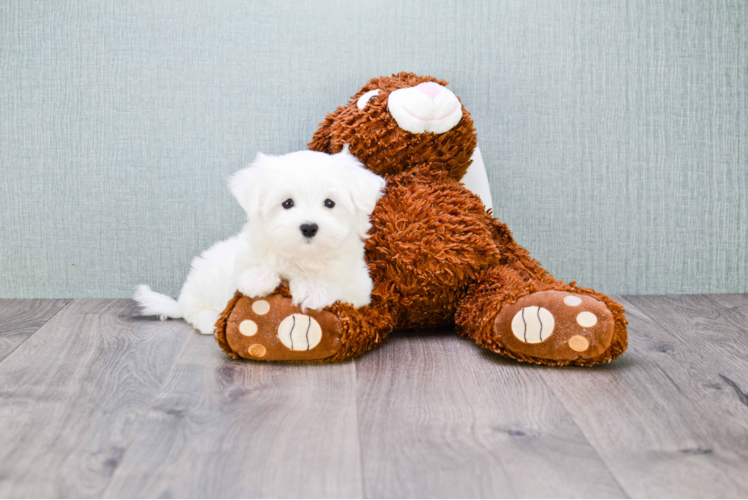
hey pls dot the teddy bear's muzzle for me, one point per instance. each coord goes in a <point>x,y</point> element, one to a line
<point>427,107</point>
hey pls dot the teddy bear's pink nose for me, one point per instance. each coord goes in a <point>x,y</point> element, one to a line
<point>430,89</point>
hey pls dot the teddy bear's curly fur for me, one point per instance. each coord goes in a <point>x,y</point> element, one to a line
<point>438,258</point>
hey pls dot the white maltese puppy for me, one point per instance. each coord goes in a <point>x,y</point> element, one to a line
<point>308,215</point>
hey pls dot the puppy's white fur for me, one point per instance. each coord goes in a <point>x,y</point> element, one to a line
<point>320,270</point>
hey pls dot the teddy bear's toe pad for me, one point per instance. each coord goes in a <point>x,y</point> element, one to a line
<point>273,329</point>
<point>555,325</point>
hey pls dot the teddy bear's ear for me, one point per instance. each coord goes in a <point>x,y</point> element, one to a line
<point>365,186</point>
<point>246,185</point>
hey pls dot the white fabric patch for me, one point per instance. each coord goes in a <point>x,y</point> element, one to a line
<point>299,332</point>
<point>261,307</point>
<point>586,319</point>
<point>476,179</point>
<point>572,300</point>
<point>533,325</point>
<point>427,107</point>
<point>248,327</point>
<point>364,99</point>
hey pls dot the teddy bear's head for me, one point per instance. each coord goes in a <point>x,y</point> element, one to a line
<point>399,122</point>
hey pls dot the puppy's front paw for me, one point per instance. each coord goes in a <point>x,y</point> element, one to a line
<point>257,282</point>
<point>309,294</point>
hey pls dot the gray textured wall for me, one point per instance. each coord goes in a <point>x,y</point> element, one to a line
<point>614,132</point>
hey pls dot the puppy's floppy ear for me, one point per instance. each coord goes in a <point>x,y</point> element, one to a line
<point>365,186</point>
<point>246,185</point>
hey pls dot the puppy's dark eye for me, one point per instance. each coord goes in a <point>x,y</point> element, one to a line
<point>287,204</point>
<point>329,203</point>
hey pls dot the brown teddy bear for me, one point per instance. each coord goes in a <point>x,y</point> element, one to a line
<point>437,257</point>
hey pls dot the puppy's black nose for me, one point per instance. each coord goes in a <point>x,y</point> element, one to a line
<point>309,230</point>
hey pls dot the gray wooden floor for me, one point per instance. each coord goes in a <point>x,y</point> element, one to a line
<point>95,402</point>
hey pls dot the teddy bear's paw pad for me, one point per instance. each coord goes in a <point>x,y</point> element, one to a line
<point>300,332</point>
<point>556,326</point>
<point>533,324</point>
<point>273,329</point>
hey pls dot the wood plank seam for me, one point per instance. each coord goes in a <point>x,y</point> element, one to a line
<point>358,431</point>
<point>143,419</point>
<point>67,304</point>
<point>581,428</point>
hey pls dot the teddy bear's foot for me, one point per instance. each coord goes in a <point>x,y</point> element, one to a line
<point>557,327</point>
<point>273,329</point>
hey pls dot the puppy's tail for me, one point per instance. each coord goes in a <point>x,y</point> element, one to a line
<point>156,304</point>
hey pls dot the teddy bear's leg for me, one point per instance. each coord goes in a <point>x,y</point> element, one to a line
<point>519,310</point>
<point>273,329</point>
